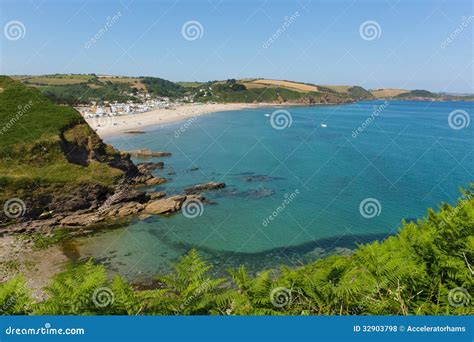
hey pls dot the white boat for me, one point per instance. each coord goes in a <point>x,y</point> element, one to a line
<point>267,115</point>
<point>324,125</point>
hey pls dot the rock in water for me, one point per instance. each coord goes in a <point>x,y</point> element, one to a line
<point>171,204</point>
<point>202,187</point>
<point>150,166</point>
<point>165,205</point>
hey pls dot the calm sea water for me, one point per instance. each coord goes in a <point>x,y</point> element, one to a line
<point>311,177</point>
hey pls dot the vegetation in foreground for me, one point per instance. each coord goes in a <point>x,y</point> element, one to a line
<point>426,269</point>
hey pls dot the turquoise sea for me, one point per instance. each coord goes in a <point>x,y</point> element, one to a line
<point>326,184</point>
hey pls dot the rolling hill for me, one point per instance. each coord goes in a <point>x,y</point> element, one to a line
<point>73,89</point>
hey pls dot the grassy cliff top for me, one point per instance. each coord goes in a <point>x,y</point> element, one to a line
<point>27,116</point>
<point>43,144</point>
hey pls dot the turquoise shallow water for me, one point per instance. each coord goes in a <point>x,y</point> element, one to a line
<point>407,159</point>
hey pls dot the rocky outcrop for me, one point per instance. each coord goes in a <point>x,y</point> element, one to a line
<point>81,220</point>
<point>171,204</point>
<point>81,145</point>
<point>150,166</point>
<point>125,209</point>
<point>145,152</point>
<point>165,205</point>
<point>124,203</point>
<point>156,195</point>
<point>202,187</point>
<point>147,179</point>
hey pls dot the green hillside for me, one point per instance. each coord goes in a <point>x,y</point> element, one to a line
<point>161,87</point>
<point>46,149</point>
<point>73,89</point>
<point>285,92</point>
<point>418,93</point>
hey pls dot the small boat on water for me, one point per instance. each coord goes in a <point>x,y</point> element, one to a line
<point>267,115</point>
<point>324,125</point>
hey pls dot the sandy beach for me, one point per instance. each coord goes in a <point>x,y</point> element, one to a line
<point>135,123</point>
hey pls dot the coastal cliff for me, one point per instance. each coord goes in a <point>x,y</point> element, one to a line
<point>53,165</point>
<point>57,172</point>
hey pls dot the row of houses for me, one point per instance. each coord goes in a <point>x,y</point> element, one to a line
<point>119,108</point>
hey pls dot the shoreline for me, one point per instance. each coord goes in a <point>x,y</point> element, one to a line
<point>107,127</point>
<point>112,126</point>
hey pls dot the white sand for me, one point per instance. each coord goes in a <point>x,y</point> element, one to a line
<point>115,125</point>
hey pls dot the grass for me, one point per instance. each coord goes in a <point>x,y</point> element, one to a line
<point>190,84</point>
<point>31,155</point>
<point>288,85</point>
<point>387,92</point>
<point>338,88</point>
<point>54,81</point>
<point>27,116</point>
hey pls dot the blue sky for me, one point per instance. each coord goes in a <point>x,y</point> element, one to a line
<point>322,45</point>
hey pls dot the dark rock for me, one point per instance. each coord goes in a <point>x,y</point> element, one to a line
<point>257,193</point>
<point>150,166</point>
<point>261,178</point>
<point>252,193</point>
<point>134,132</point>
<point>81,198</point>
<point>127,195</point>
<point>202,187</point>
<point>81,150</point>
<point>156,195</point>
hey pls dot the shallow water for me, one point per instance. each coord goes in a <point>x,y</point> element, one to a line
<point>408,159</point>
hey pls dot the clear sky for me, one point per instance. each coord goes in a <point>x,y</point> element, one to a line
<point>321,42</point>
